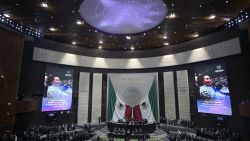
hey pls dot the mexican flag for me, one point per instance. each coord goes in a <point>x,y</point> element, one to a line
<point>135,99</point>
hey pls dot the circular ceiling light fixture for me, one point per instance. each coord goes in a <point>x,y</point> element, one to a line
<point>123,16</point>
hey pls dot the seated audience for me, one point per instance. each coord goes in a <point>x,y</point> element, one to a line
<point>65,132</point>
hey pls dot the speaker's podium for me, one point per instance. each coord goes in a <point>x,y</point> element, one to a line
<point>130,130</point>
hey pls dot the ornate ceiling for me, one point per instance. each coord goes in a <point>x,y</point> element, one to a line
<point>60,20</point>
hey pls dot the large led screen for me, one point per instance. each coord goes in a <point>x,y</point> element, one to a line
<point>213,92</point>
<point>58,85</point>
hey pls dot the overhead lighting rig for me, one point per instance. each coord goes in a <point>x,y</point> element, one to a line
<point>244,15</point>
<point>19,27</point>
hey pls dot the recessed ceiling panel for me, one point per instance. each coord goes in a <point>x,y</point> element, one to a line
<point>123,16</point>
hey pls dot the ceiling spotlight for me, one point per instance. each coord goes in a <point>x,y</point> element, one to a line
<point>100,47</point>
<point>74,43</point>
<point>100,42</point>
<point>132,48</point>
<point>171,15</point>
<point>52,29</point>
<point>79,22</point>
<point>7,15</point>
<point>165,37</point>
<point>128,37</point>
<point>45,5</point>
<point>226,19</point>
<point>166,44</point>
<point>195,35</point>
<point>212,17</point>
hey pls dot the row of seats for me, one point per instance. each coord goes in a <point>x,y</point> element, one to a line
<point>210,133</point>
<point>179,122</point>
<point>130,129</point>
<point>185,137</point>
<point>65,132</point>
<point>118,130</point>
<point>218,134</point>
<point>135,122</point>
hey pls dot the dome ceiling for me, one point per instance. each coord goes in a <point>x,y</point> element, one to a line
<point>123,17</point>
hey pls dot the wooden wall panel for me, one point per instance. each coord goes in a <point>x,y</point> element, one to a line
<point>11,46</point>
<point>24,106</point>
<point>245,109</point>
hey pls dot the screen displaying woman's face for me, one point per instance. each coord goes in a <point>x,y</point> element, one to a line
<point>207,80</point>
<point>56,81</point>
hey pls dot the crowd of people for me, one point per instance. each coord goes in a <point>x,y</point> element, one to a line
<point>124,131</point>
<point>71,132</point>
<point>199,134</point>
<point>203,134</point>
<point>185,137</point>
<point>133,122</point>
<point>65,132</point>
<point>179,122</point>
<point>136,133</point>
<point>218,134</point>
<point>130,129</point>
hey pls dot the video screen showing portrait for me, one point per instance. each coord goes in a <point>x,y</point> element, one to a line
<point>58,88</point>
<point>213,92</point>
